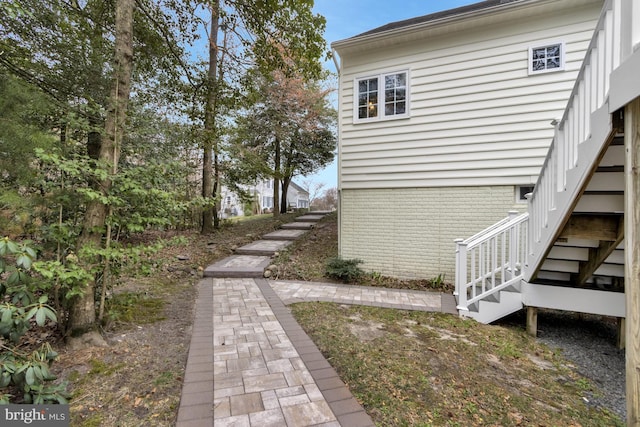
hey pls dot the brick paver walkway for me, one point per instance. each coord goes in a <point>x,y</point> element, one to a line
<point>257,367</point>
<point>251,364</point>
<point>293,291</point>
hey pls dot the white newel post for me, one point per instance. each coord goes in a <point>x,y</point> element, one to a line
<point>457,271</point>
<point>461,274</point>
<point>630,25</point>
<point>531,243</point>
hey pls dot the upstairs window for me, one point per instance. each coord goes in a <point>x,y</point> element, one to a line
<point>546,58</point>
<point>385,96</point>
<point>368,98</point>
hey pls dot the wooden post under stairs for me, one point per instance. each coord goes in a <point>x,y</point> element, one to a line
<point>632,259</point>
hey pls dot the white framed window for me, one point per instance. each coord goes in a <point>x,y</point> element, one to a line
<point>383,96</point>
<point>546,58</point>
<point>522,191</point>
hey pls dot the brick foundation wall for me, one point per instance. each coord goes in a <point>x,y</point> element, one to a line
<point>410,232</point>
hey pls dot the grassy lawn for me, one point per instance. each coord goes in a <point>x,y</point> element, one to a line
<point>432,369</point>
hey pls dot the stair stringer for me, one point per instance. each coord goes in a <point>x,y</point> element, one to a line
<point>590,152</point>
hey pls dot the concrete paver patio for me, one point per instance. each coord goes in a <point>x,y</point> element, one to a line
<point>293,291</point>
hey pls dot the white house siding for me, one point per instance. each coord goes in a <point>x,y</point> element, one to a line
<point>479,125</point>
<point>476,116</point>
<point>410,232</point>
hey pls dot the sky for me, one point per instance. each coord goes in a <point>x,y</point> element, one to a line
<point>347,18</point>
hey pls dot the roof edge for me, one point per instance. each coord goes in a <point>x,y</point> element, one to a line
<point>432,20</point>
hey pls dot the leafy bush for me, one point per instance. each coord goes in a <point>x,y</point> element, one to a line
<point>20,310</point>
<point>345,270</point>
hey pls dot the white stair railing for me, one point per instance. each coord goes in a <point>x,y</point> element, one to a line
<point>491,260</point>
<point>580,137</point>
<point>511,250</point>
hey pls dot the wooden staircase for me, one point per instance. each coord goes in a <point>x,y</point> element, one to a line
<point>589,250</point>
<point>567,251</point>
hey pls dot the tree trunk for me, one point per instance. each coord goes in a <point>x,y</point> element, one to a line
<point>63,132</point>
<point>82,314</point>
<point>209,188</point>
<point>216,188</point>
<point>276,180</point>
<point>285,188</point>
<point>94,141</point>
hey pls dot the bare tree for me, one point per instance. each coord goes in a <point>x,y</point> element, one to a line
<point>328,201</point>
<point>315,189</point>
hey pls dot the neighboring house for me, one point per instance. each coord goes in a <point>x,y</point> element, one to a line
<point>230,204</point>
<point>264,189</point>
<point>262,194</point>
<point>444,124</point>
<point>297,197</point>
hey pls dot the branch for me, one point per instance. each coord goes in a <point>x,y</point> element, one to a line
<point>41,84</point>
<point>170,43</point>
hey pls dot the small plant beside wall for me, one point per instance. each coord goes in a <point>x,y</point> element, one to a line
<point>438,281</point>
<point>345,270</point>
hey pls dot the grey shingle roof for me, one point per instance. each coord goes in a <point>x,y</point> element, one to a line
<point>438,15</point>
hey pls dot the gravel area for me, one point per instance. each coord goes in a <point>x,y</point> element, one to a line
<point>590,343</point>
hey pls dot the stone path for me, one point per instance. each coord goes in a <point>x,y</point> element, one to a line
<point>302,225</point>
<point>263,247</point>
<point>238,266</point>
<point>284,235</point>
<point>291,292</point>
<point>251,364</point>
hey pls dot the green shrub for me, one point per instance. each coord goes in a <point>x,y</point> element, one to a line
<point>345,270</point>
<point>23,307</point>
